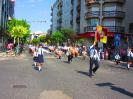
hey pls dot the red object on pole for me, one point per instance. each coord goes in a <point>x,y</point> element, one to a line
<point>97,36</point>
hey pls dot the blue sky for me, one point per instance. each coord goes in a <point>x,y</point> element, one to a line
<point>35,10</point>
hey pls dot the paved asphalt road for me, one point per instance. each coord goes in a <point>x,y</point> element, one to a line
<point>18,80</point>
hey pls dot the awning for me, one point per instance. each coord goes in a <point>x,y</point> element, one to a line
<point>109,34</point>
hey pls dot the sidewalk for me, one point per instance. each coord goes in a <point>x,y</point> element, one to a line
<point>5,56</point>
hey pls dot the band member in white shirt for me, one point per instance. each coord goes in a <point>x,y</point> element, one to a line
<point>130,57</point>
<point>40,58</point>
<point>94,59</point>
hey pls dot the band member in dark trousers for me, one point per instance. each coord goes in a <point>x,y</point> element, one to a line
<point>70,54</point>
<point>94,59</point>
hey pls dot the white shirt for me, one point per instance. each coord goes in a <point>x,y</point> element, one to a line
<point>130,54</point>
<point>92,55</point>
<point>41,51</point>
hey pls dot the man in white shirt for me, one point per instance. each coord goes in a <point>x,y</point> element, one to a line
<point>94,59</point>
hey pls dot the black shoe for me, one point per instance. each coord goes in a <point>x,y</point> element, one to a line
<point>94,73</point>
<point>128,68</point>
<point>90,75</point>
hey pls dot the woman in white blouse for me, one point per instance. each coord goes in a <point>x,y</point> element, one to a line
<point>40,58</point>
<point>130,57</point>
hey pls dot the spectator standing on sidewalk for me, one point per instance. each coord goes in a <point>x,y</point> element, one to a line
<point>130,57</point>
<point>94,59</point>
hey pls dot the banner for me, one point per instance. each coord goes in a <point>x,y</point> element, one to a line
<point>117,40</point>
<point>101,34</point>
<point>103,39</point>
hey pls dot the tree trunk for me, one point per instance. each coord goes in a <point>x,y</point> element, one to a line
<point>18,41</point>
<point>14,40</point>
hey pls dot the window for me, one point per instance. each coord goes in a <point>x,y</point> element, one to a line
<point>109,22</point>
<point>131,28</point>
<point>93,22</point>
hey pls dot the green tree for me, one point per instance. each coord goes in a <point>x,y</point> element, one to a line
<point>68,34</point>
<point>14,23</point>
<point>57,37</point>
<point>42,38</point>
<point>18,32</point>
<point>81,41</point>
<point>35,41</point>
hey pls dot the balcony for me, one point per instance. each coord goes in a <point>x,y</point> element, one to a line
<point>118,29</point>
<point>51,20</point>
<point>59,20</point>
<point>59,27</point>
<point>78,8</point>
<point>117,1</point>
<point>114,14</point>
<point>60,4</point>
<point>88,2</point>
<point>92,14</point>
<point>51,13</point>
<point>59,13</point>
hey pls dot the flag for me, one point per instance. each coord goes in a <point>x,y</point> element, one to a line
<point>97,35</point>
<point>103,39</point>
<point>101,34</point>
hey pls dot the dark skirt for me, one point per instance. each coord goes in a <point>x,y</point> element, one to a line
<point>40,59</point>
<point>35,59</point>
<point>130,59</point>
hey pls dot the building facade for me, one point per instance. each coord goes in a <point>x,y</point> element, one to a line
<point>83,15</point>
<point>6,14</point>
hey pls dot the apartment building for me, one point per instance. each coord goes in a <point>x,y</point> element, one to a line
<point>62,14</point>
<point>84,15</point>
<point>6,13</point>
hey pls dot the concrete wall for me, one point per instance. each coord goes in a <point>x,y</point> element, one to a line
<point>129,14</point>
<point>54,17</point>
<point>74,15</point>
<point>83,22</point>
<point>66,16</point>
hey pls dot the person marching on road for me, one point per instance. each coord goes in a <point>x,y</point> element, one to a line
<point>35,56</point>
<point>130,57</point>
<point>40,57</point>
<point>94,59</point>
<point>84,52</point>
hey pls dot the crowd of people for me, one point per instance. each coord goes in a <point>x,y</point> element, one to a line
<point>73,51</point>
<point>13,49</point>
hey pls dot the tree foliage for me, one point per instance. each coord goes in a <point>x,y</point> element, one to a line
<point>81,41</point>
<point>21,27</point>
<point>18,32</point>
<point>57,37</point>
<point>35,41</point>
<point>42,38</point>
<point>68,34</point>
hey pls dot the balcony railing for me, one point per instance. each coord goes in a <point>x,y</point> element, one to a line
<point>91,14</point>
<point>59,20</point>
<point>116,14</point>
<point>59,27</point>
<point>88,2</point>
<point>118,29</point>
<point>59,13</point>
<point>51,13</point>
<point>119,1</point>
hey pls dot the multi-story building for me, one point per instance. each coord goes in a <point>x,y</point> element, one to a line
<point>84,15</point>
<point>6,13</point>
<point>108,13</point>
